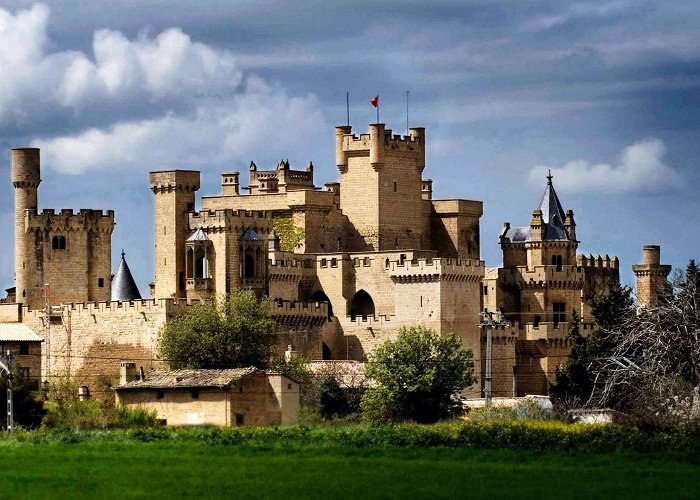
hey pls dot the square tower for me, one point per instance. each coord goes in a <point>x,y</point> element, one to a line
<point>381,187</point>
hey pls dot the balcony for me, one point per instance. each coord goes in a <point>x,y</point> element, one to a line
<point>200,284</point>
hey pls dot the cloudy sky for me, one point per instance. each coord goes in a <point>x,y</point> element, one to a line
<point>605,94</point>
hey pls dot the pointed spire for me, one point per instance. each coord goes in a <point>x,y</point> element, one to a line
<point>123,285</point>
<point>552,212</point>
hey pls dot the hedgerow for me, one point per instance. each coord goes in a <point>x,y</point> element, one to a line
<point>517,435</point>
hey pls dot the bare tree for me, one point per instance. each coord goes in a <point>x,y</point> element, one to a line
<point>653,370</point>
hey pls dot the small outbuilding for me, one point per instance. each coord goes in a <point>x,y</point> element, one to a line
<point>231,397</point>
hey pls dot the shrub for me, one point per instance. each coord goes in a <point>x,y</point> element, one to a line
<point>418,376</point>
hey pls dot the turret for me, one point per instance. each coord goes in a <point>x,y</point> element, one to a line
<point>173,199</point>
<point>26,177</point>
<point>229,184</point>
<point>537,226</point>
<point>376,145</point>
<point>427,189</point>
<point>417,134</point>
<point>570,225</point>
<point>341,158</point>
<point>652,276</point>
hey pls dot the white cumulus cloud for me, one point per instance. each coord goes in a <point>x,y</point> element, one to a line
<point>168,67</point>
<point>147,102</point>
<point>250,121</point>
<point>640,167</point>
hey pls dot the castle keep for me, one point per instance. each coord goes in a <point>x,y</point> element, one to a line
<point>347,265</point>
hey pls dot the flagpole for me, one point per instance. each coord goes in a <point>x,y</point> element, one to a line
<point>347,106</point>
<point>377,108</point>
<point>407,112</point>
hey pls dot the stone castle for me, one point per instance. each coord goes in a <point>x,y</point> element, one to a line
<point>346,265</point>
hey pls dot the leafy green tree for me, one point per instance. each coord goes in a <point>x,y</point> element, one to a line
<point>418,377</point>
<point>233,332</point>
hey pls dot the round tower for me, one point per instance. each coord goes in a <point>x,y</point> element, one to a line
<point>341,159</point>
<point>26,176</point>
<point>652,276</point>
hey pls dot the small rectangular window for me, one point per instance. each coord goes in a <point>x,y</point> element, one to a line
<point>289,387</point>
<point>25,374</point>
<point>394,186</point>
<point>486,290</point>
<point>324,263</point>
<point>334,262</point>
<point>559,310</point>
<point>101,282</point>
<point>536,322</point>
<point>24,349</point>
<point>239,419</point>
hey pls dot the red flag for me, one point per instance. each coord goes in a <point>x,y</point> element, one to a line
<point>375,101</point>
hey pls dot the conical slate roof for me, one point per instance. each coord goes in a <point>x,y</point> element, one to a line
<point>123,285</point>
<point>250,235</point>
<point>552,213</point>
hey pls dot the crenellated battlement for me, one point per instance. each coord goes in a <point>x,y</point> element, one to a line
<point>598,261</point>
<point>174,180</point>
<point>539,276</point>
<point>299,308</point>
<point>231,219</point>
<point>169,307</point>
<point>67,220</point>
<point>431,269</point>
<point>388,320</point>
<point>351,142</point>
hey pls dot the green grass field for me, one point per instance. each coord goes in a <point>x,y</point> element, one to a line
<point>185,469</point>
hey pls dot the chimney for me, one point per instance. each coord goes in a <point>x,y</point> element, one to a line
<point>127,372</point>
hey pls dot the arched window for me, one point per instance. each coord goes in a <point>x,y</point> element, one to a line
<point>58,242</point>
<point>249,267</point>
<point>361,305</point>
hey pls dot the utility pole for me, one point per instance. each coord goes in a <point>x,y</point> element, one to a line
<point>7,367</point>
<point>47,329</point>
<point>488,323</point>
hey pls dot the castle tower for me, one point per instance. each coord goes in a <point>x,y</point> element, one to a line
<point>173,200</point>
<point>381,193</point>
<point>652,276</point>
<point>69,252</point>
<point>26,177</point>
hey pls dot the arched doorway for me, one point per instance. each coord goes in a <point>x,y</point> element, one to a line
<point>320,296</point>
<point>361,305</point>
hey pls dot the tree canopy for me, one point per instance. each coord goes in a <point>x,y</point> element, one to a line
<point>233,332</point>
<point>418,377</point>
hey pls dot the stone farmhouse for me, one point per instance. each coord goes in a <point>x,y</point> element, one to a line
<point>346,265</point>
<point>234,397</point>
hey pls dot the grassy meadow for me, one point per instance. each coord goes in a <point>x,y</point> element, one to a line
<point>364,462</point>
